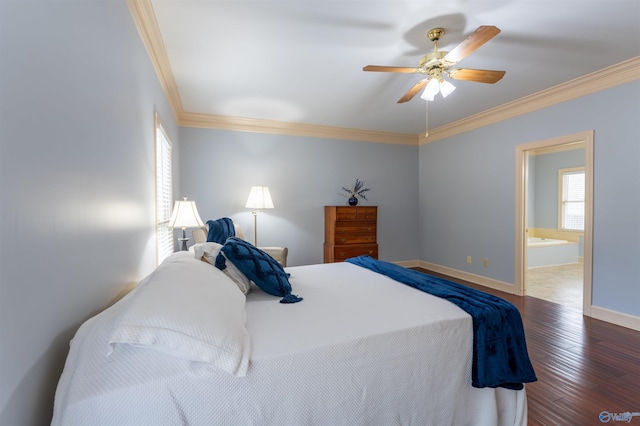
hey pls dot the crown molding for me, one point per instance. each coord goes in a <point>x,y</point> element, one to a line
<point>145,19</point>
<point>621,73</point>
<point>245,124</point>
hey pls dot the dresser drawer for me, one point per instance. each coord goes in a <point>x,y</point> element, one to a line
<point>339,253</point>
<point>353,233</point>
<point>355,238</point>
<point>356,228</point>
<point>346,213</point>
<point>356,213</point>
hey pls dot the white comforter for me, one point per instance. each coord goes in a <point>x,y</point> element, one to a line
<point>360,349</point>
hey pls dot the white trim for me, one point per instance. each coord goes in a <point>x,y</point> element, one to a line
<point>561,203</point>
<point>521,211</point>
<point>557,148</point>
<point>617,318</point>
<point>466,276</point>
<point>145,20</point>
<point>602,314</point>
<point>408,263</point>
<point>617,74</point>
<point>163,194</point>
<point>245,124</point>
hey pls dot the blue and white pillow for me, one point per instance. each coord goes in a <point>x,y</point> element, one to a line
<point>258,266</point>
<point>208,252</point>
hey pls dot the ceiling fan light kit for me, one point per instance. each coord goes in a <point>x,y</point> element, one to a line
<point>438,63</point>
<point>436,86</point>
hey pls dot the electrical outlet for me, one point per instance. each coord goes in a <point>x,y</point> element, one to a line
<point>469,259</point>
<point>485,262</point>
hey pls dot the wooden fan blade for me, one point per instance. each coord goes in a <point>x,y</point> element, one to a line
<point>382,68</point>
<point>413,91</point>
<point>476,39</point>
<point>481,76</point>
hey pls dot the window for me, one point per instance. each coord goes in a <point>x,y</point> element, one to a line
<point>164,194</point>
<point>571,199</point>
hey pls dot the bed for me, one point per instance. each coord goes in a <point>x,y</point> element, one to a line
<point>354,347</point>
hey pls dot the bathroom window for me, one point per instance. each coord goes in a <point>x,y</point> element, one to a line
<point>164,193</point>
<point>571,203</point>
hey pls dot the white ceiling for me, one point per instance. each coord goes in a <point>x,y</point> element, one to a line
<point>301,61</point>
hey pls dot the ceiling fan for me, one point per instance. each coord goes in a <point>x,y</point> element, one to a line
<point>438,63</point>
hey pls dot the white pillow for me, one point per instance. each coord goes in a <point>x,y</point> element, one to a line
<point>189,310</point>
<point>209,251</point>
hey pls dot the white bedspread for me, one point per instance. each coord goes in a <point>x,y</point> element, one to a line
<point>360,349</point>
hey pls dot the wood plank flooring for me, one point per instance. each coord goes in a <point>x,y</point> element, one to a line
<point>584,366</point>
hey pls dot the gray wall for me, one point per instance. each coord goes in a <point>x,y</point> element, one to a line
<point>303,175</point>
<point>467,192</point>
<point>77,96</point>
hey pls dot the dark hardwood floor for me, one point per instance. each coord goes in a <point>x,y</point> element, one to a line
<point>584,366</point>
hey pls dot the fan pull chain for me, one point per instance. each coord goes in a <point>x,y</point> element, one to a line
<point>426,109</point>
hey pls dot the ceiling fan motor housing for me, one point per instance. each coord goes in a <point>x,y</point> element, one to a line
<point>432,60</point>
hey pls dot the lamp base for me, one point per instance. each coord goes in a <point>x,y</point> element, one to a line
<point>184,243</point>
<point>255,228</point>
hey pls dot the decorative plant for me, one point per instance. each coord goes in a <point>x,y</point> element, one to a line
<point>356,191</point>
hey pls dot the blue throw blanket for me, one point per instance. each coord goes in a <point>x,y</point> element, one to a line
<point>220,230</point>
<point>500,357</point>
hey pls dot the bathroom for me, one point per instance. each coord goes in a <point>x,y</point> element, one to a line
<point>555,224</point>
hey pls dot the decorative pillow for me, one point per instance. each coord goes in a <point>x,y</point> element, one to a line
<point>258,266</point>
<point>220,230</point>
<point>176,310</point>
<point>208,253</point>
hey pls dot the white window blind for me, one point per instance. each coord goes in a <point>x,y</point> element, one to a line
<point>164,194</point>
<point>572,214</point>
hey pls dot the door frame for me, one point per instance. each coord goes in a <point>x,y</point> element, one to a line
<point>522,153</point>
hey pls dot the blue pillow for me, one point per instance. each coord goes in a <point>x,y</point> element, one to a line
<point>220,230</point>
<point>259,267</point>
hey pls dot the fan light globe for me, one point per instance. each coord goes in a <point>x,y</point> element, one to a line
<point>446,88</point>
<point>436,86</point>
<point>432,89</point>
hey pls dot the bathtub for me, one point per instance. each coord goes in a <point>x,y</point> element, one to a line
<point>550,252</point>
<point>537,241</point>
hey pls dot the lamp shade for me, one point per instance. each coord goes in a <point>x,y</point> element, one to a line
<point>185,215</point>
<point>259,198</point>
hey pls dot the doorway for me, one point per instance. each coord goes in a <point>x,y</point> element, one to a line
<point>552,275</point>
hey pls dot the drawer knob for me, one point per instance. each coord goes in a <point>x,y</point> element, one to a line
<point>369,238</point>
<point>343,239</point>
<point>341,253</point>
<point>343,229</point>
<point>370,251</point>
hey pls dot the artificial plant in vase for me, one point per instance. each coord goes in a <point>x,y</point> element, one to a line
<point>357,190</point>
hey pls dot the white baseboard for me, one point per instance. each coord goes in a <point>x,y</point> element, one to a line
<point>466,276</point>
<point>408,263</point>
<point>603,314</point>
<point>617,318</point>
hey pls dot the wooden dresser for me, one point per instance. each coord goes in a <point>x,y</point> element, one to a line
<point>349,232</point>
